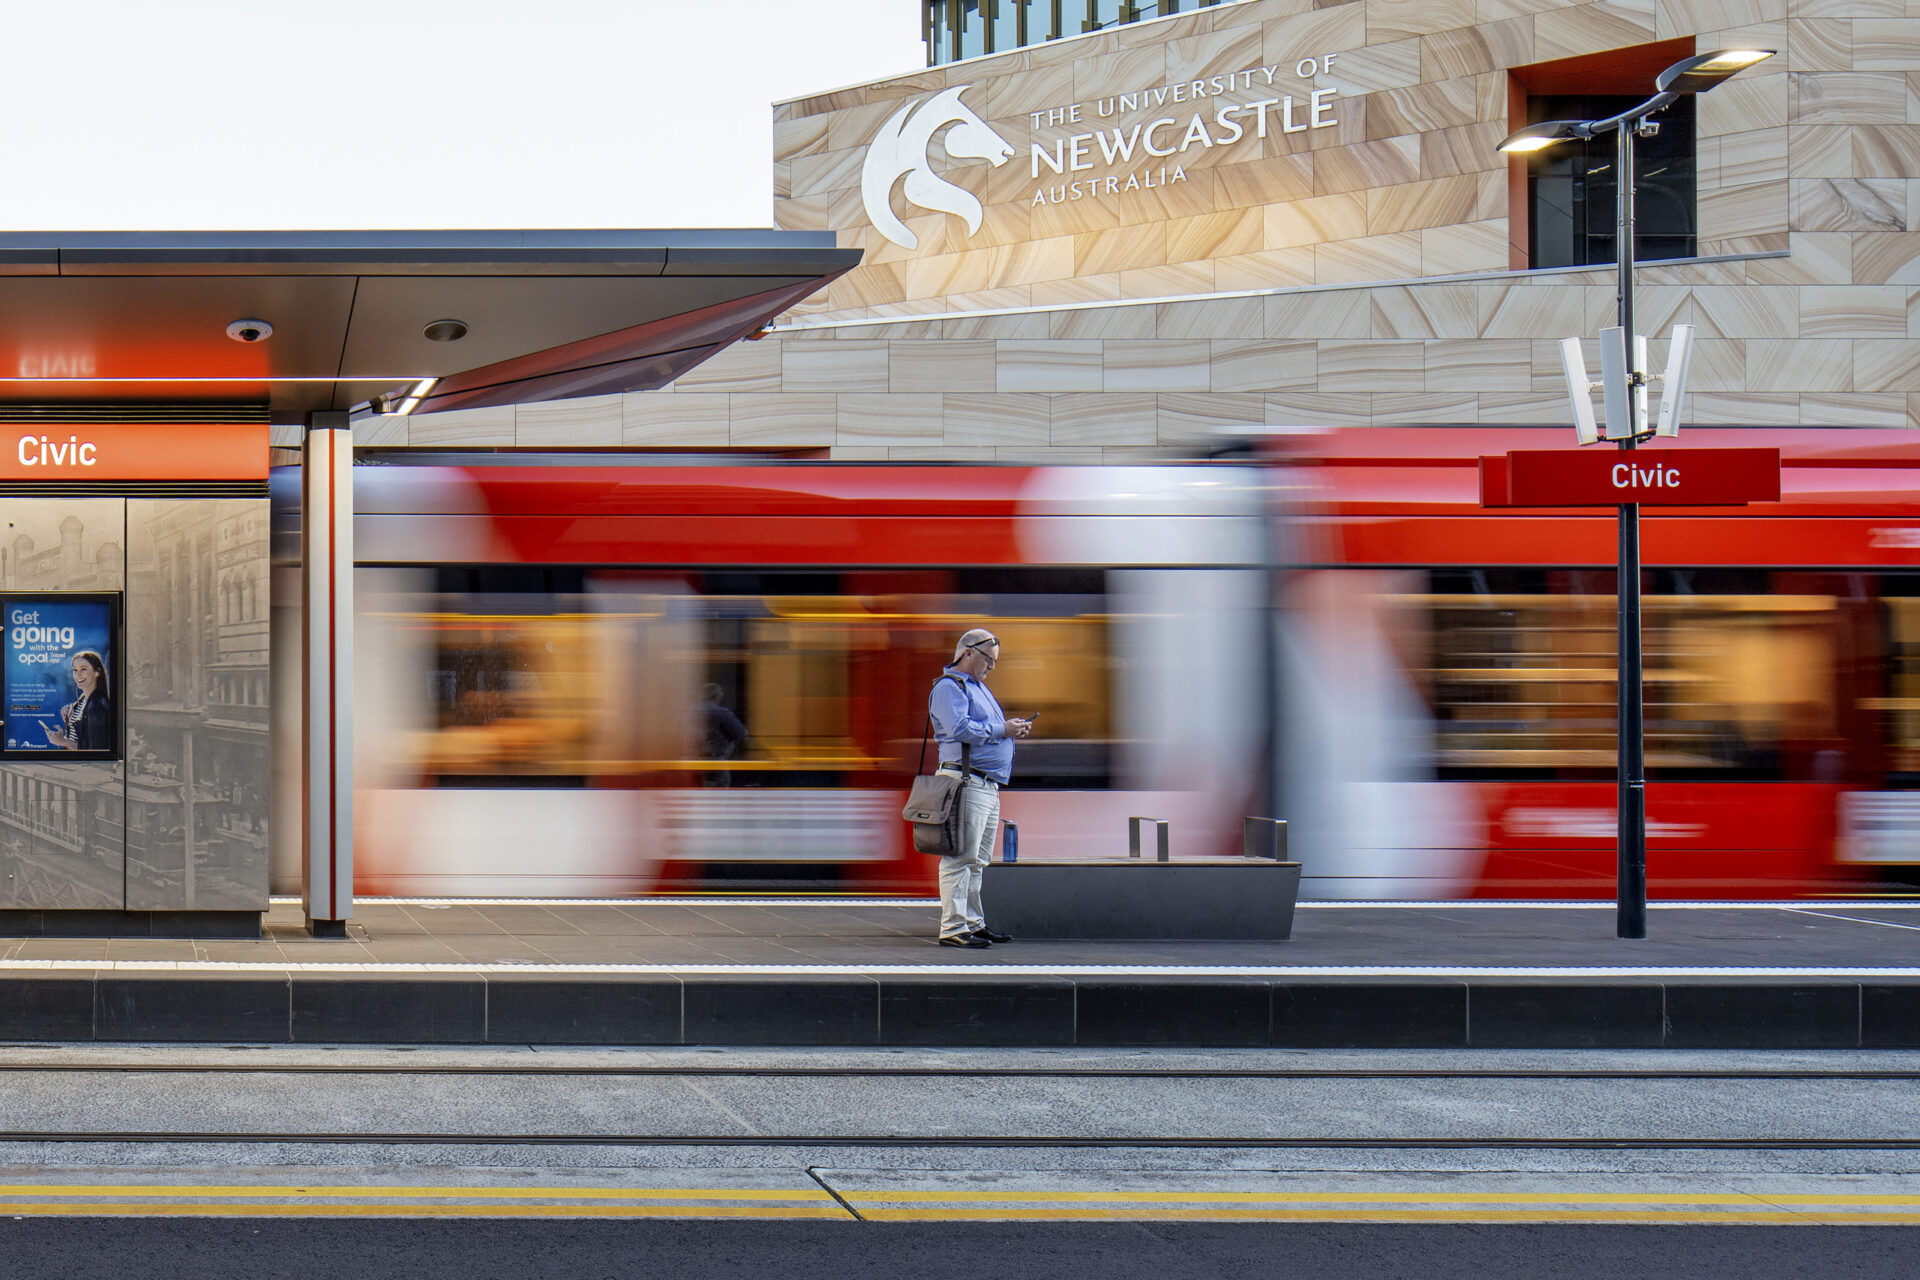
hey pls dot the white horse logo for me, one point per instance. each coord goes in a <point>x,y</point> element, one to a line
<point>901,147</point>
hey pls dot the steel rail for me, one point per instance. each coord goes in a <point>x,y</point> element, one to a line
<point>940,1073</point>
<point>926,1141</point>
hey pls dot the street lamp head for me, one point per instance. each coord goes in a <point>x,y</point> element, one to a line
<point>1701,73</point>
<point>1536,137</point>
<point>1693,75</point>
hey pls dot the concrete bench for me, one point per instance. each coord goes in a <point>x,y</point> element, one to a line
<point>1187,899</point>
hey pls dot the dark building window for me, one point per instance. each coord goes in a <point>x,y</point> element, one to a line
<point>1572,194</point>
<point>968,28</point>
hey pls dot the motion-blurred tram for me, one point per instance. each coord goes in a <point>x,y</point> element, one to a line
<point>1472,654</point>
<point>544,649</point>
<point>595,676</point>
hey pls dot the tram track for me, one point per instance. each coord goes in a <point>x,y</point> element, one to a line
<point>947,1141</point>
<point>788,1101</point>
<point>661,1071</point>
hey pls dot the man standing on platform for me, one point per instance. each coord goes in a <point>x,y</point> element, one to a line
<point>965,713</point>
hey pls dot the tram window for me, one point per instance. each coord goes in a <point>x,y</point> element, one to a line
<point>1741,671</point>
<point>737,678</point>
<point>512,688</point>
<point>1897,706</point>
<point>506,579</point>
<point>1043,583</point>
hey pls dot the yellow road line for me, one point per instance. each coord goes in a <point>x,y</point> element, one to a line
<point>231,1209</point>
<point>1758,1216</point>
<point>228,1209</point>
<point>391,1191</point>
<point>1781,1208</point>
<point>1371,1197</point>
<point>882,1197</point>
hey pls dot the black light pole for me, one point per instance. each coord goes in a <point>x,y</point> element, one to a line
<point>1694,75</point>
<point>1630,748</point>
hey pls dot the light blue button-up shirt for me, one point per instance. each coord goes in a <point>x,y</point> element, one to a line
<point>964,710</point>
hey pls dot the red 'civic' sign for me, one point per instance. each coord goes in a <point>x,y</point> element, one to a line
<point>1608,478</point>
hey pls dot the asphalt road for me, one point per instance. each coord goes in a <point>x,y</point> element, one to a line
<point>692,1250</point>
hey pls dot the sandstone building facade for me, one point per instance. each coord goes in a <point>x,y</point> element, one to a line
<point>1123,245</point>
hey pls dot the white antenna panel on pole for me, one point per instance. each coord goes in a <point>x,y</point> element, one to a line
<point>1579,391</point>
<point>1613,383</point>
<point>1640,390</point>
<point>1674,384</point>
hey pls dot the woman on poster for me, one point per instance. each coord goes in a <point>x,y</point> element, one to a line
<point>88,719</point>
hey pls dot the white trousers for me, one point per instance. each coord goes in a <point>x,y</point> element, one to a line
<point>962,874</point>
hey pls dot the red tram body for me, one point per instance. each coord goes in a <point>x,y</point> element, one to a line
<point>1335,631</point>
<point>1790,620</point>
<point>537,637</point>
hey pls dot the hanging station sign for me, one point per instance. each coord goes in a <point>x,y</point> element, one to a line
<point>1611,478</point>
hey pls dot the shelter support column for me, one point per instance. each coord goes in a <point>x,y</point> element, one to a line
<point>326,589</point>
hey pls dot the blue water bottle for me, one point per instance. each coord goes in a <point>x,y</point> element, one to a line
<point>1009,842</point>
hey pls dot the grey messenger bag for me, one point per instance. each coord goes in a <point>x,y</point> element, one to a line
<point>935,800</point>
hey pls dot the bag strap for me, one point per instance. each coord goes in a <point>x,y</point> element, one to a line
<point>966,748</point>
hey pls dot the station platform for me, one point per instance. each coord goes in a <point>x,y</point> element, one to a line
<point>861,972</point>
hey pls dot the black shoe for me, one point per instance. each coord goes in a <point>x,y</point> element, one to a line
<point>972,941</point>
<point>988,935</point>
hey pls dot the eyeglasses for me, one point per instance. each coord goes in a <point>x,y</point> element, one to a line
<point>981,647</point>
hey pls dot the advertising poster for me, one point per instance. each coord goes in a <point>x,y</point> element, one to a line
<point>57,681</point>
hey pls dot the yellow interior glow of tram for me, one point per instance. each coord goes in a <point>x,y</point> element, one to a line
<point>1528,681</point>
<point>510,694</point>
<point>1901,705</point>
<point>823,684</point>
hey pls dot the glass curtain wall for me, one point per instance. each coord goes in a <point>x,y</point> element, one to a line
<point>958,29</point>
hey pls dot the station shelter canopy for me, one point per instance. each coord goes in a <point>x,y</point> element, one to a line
<point>472,318</point>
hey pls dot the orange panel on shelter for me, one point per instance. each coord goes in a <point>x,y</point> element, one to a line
<point>70,453</point>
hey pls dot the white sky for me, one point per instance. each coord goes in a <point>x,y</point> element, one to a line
<point>269,114</point>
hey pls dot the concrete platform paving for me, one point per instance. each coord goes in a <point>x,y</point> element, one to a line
<point>840,971</point>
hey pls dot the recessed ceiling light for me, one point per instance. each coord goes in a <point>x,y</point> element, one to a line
<point>445,331</point>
